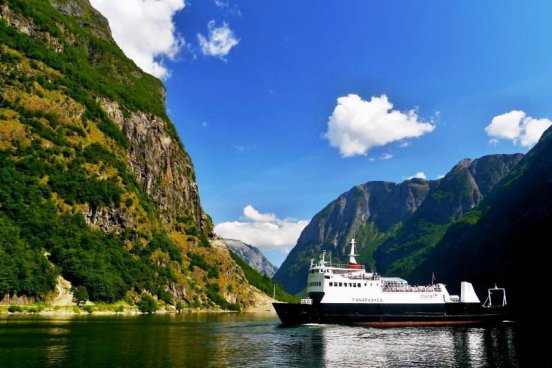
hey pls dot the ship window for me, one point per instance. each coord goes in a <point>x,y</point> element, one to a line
<point>331,283</point>
<point>345,284</point>
<point>340,284</point>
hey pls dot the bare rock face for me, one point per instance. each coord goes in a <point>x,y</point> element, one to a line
<point>159,164</point>
<point>108,219</point>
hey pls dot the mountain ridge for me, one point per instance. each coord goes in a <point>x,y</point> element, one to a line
<point>395,244</point>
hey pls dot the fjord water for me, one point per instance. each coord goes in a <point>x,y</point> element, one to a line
<point>244,340</point>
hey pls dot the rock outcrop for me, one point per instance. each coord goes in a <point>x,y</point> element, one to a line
<point>160,164</point>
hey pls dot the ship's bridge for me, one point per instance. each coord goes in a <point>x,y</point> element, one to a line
<point>337,268</point>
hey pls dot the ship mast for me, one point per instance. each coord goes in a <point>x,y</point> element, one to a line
<point>352,259</point>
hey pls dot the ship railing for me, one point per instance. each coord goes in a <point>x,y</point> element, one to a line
<point>362,277</point>
<point>307,301</point>
<point>344,266</point>
<point>412,289</point>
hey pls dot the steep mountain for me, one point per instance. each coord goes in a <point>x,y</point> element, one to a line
<point>252,256</point>
<point>506,238</point>
<point>460,190</point>
<point>395,225</point>
<point>95,185</point>
<point>371,209</point>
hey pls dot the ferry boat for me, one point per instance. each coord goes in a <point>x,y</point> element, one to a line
<point>349,294</point>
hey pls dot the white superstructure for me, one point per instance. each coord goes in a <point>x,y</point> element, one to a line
<point>351,283</point>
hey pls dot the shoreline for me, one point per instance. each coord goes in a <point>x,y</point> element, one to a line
<point>90,310</point>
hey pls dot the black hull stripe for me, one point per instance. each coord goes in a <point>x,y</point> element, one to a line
<point>388,315</point>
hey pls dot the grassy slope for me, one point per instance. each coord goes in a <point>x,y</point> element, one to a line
<point>263,282</point>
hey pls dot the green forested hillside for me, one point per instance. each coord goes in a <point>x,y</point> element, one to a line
<point>87,192</point>
<point>460,190</point>
<point>506,239</point>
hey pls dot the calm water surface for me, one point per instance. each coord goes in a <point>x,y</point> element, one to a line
<point>245,340</point>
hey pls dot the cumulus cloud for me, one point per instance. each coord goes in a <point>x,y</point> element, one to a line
<point>418,175</point>
<point>263,230</point>
<point>219,42</point>
<point>357,125</point>
<point>517,127</point>
<point>144,30</point>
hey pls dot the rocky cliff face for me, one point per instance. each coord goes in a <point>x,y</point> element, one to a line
<point>395,225</point>
<point>160,164</point>
<point>252,256</point>
<point>93,173</point>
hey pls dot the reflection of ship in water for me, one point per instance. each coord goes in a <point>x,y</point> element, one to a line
<point>490,346</point>
<point>347,293</point>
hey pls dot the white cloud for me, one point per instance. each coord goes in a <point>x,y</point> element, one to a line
<point>144,30</point>
<point>228,8</point>
<point>357,125</point>
<point>418,175</point>
<point>386,156</point>
<point>263,230</point>
<point>218,42</point>
<point>517,127</point>
<point>252,214</point>
<point>222,4</point>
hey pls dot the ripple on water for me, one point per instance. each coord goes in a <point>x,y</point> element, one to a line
<point>246,340</point>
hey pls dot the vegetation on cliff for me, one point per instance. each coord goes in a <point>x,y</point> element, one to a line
<point>95,185</point>
<point>263,282</point>
<point>505,239</point>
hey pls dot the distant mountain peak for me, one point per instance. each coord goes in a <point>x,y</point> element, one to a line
<point>252,256</point>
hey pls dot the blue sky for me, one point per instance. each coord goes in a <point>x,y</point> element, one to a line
<point>254,119</point>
